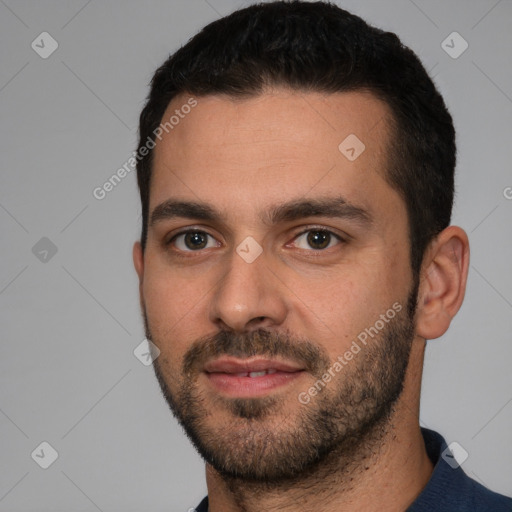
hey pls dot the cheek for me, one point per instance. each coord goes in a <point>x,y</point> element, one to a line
<point>172,309</point>
<point>334,310</point>
<point>399,265</point>
<point>326,310</point>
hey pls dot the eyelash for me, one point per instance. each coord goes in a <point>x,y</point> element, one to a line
<point>339,238</point>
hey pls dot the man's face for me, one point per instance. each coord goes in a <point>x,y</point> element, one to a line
<point>269,251</point>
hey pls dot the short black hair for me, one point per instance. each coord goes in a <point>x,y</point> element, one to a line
<point>319,47</point>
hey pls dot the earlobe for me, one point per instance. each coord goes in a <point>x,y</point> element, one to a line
<point>442,282</point>
<point>138,260</point>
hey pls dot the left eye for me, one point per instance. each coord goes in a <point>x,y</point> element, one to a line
<point>194,241</point>
<point>316,239</point>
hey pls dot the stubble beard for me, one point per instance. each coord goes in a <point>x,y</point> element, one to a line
<point>339,428</point>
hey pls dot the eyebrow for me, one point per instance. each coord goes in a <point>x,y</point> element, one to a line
<point>171,209</point>
<point>337,207</point>
<point>332,207</point>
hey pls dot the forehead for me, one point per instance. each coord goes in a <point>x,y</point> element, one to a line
<point>271,148</point>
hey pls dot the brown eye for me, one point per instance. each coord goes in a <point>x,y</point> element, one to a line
<point>196,240</point>
<point>316,239</point>
<point>193,241</point>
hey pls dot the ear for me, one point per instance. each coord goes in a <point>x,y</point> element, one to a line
<point>138,262</point>
<point>442,282</point>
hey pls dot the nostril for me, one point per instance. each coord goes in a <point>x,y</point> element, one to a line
<point>258,321</point>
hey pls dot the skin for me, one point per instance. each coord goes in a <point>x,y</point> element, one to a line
<point>242,158</point>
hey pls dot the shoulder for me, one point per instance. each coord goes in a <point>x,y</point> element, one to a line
<point>202,507</point>
<point>450,488</point>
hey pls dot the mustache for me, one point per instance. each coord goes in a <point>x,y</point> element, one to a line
<point>259,342</point>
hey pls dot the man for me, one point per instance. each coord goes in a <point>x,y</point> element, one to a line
<point>296,178</point>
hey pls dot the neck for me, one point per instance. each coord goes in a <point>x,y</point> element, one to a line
<point>384,470</point>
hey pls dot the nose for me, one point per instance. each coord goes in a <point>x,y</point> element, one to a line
<point>249,296</point>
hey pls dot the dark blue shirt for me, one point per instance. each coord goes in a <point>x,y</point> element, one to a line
<point>448,490</point>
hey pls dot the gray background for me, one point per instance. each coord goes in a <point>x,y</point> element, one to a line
<point>70,323</point>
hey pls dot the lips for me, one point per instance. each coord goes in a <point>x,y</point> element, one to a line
<point>270,371</point>
<point>233,365</point>
<point>250,377</point>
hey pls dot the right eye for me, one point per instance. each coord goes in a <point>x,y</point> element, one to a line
<point>193,240</point>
